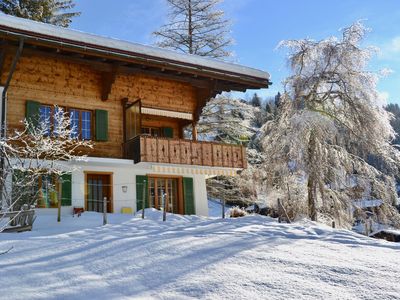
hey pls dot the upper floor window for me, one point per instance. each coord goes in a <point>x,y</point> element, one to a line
<point>151,131</point>
<point>81,121</point>
<point>46,117</point>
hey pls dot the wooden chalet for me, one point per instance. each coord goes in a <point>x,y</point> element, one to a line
<point>133,101</point>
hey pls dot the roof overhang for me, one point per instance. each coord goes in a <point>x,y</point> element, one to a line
<point>111,55</point>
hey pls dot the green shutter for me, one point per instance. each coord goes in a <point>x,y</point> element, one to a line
<point>66,190</point>
<point>139,192</point>
<point>32,112</point>
<point>168,132</point>
<point>188,196</point>
<point>101,125</point>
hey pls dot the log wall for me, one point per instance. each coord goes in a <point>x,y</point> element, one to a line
<point>53,81</point>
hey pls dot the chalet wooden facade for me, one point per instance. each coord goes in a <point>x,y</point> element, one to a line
<point>133,101</point>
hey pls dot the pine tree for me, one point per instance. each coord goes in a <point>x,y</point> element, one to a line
<point>47,11</point>
<point>255,100</point>
<point>195,27</point>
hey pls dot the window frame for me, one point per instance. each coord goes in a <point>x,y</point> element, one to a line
<point>68,110</point>
<point>80,110</point>
<point>151,129</point>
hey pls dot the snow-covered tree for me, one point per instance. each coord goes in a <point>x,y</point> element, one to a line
<point>329,121</point>
<point>56,12</point>
<point>233,121</point>
<point>395,122</point>
<point>38,149</point>
<point>195,27</point>
<point>228,120</point>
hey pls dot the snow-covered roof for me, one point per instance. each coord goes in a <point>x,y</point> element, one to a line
<point>59,34</point>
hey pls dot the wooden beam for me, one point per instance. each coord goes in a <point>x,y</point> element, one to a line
<point>194,131</point>
<point>146,60</point>
<point>107,81</point>
<point>98,64</point>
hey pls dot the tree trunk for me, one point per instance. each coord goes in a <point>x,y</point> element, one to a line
<point>190,28</point>
<point>312,180</point>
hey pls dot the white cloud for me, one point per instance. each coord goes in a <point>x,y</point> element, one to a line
<point>390,50</point>
<point>395,43</point>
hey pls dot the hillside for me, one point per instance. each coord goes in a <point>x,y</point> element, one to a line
<point>190,257</point>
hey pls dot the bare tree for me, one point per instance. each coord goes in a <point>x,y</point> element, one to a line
<point>40,148</point>
<point>47,11</point>
<point>195,27</point>
<point>329,121</point>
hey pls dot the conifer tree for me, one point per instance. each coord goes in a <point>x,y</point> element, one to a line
<point>195,27</point>
<point>56,12</point>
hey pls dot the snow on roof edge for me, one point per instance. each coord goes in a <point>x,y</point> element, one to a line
<point>98,40</point>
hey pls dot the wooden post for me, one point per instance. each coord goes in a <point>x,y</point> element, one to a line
<point>164,196</point>
<point>194,131</point>
<point>279,211</point>
<point>223,207</point>
<point>144,198</point>
<point>59,201</point>
<point>104,210</point>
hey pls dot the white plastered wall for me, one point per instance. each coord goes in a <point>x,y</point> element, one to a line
<point>124,174</point>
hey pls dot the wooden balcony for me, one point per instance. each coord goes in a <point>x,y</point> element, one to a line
<point>175,151</point>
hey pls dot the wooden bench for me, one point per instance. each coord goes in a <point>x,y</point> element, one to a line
<point>19,220</point>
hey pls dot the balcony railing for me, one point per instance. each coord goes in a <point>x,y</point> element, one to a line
<point>145,148</point>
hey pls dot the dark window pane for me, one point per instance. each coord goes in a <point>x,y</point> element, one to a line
<point>45,118</point>
<point>74,115</point>
<point>86,125</point>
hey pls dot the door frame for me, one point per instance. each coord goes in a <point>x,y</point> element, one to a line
<point>181,202</point>
<point>110,174</point>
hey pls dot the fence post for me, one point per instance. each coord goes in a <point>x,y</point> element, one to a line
<point>223,207</point>
<point>59,201</point>
<point>165,207</point>
<point>104,210</point>
<point>279,211</point>
<point>143,198</point>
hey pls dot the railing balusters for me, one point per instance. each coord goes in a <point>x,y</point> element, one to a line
<point>178,151</point>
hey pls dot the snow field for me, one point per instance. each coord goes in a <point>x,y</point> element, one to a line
<point>191,257</point>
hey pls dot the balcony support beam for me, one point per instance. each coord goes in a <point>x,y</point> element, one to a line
<point>194,131</point>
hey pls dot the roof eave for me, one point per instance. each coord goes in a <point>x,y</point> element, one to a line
<point>250,82</point>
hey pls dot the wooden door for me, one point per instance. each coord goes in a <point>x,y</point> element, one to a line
<point>165,189</point>
<point>98,187</point>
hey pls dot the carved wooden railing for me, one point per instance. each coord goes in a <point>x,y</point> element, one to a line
<point>176,151</point>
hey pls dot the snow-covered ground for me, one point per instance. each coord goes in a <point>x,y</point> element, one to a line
<point>191,257</point>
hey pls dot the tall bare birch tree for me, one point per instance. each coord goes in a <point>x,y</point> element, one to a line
<point>330,121</point>
<point>195,27</point>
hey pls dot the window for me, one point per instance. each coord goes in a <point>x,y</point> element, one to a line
<point>46,118</point>
<point>81,121</point>
<point>151,131</point>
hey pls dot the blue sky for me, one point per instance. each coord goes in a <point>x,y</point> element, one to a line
<point>259,25</point>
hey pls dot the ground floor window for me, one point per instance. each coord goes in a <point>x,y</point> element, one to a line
<point>43,190</point>
<point>48,196</point>
<point>165,192</point>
